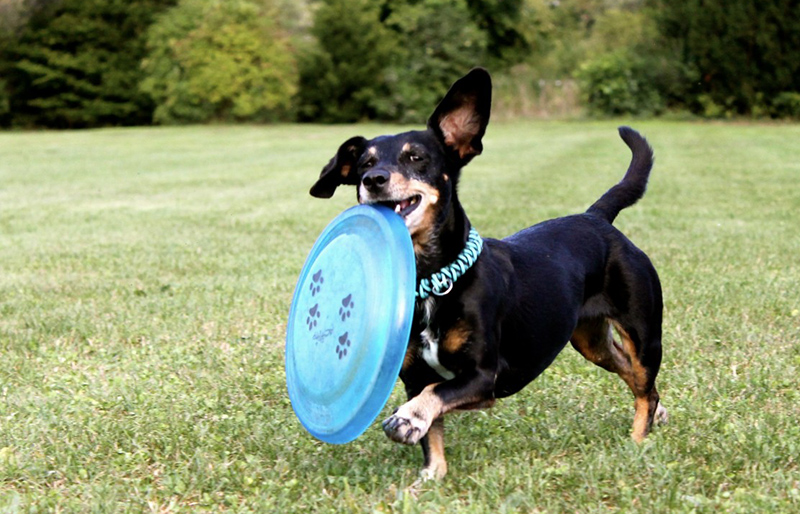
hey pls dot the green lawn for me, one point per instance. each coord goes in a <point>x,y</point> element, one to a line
<point>145,279</point>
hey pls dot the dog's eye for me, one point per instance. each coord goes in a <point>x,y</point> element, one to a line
<point>414,157</point>
<point>367,164</point>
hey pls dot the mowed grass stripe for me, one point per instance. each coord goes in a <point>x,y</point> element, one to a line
<point>145,278</point>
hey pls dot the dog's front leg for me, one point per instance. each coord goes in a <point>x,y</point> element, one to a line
<point>435,466</point>
<point>413,419</point>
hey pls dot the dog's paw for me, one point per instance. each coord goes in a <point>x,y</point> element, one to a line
<point>406,429</point>
<point>661,417</point>
<point>433,472</point>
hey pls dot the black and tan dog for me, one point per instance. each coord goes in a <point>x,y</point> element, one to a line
<point>505,320</point>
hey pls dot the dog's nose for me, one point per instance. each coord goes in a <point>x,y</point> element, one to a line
<point>375,180</point>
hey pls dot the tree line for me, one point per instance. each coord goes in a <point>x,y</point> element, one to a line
<point>89,63</point>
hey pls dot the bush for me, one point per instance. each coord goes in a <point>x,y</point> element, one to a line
<point>786,105</point>
<point>219,60</point>
<point>617,84</point>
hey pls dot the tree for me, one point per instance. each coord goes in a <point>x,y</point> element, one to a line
<point>745,52</point>
<point>503,24</point>
<point>439,42</point>
<point>342,75</point>
<point>386,61</point>
<point>76,64</point>
<point>220,60</point>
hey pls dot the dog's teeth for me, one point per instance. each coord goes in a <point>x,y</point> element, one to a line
<point>397,208</point>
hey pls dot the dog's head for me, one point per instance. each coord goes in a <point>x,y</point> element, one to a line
<point>415,173</point>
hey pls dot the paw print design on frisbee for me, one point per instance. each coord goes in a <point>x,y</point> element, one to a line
<point>316,283</point>
<point>344,344</point>
<point>349,322</point>
<point>313,316</point>
<point>347,306</point>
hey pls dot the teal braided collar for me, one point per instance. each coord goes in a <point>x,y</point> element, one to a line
<point>441,282</point>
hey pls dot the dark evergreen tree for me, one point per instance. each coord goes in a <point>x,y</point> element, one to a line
<point>745,53</point>
<point>77,64</point>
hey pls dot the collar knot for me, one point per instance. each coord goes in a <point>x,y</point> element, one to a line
<point>441,282</point>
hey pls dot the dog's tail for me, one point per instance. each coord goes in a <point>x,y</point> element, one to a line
<point>633,185</point>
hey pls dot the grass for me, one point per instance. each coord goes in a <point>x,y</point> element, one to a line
<point>145,278</point>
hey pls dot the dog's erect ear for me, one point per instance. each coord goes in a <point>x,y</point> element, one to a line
<point>340,170</point>
<point>461,118</point>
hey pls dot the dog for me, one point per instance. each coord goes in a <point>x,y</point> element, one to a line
<point>486,328</point>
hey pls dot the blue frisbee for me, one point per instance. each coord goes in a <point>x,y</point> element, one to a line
<point>349,322</point>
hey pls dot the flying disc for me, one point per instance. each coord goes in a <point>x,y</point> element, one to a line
<point>349,322</point>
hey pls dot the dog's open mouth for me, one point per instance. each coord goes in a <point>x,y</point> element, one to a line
<point>403,207</point>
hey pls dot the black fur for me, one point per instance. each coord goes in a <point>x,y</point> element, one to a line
<point>526,297</point>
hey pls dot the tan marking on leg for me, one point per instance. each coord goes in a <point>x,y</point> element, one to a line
<point>428,402</point>
<point>645,401</point>
<point>410,356</point>
<point>594,340</point>
<point>413,419</point>
<point>639,372</point>
<point>436,467</point>
<point>587,340</point>
<point>456,336</point>
<point>640,419</point>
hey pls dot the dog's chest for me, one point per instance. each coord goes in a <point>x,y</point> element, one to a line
<point>430,342</point>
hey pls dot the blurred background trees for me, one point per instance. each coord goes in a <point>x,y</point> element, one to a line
<point>219,61</point>
<point>87,63</point>
<point>76,63</point>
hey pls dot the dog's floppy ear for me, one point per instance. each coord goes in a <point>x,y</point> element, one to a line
<point>340,169</point>
<point>461,118</point>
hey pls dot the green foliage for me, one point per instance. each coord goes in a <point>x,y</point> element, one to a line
<point>219,60</point>
<point>76,64</point>
<point>743,50</point>
<point>560,35</point>
<point>5,103</point>
<point>342,76</point>
<point>503,24</point>
<point>619,83</point>
<point>438,43</point>
<point>390,62</point>
<point>5,98</point>
<point>81,63</point>
<point>786,105</point>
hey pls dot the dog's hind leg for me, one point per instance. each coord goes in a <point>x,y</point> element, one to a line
<point>594,339</point>
<point>644,354</point>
